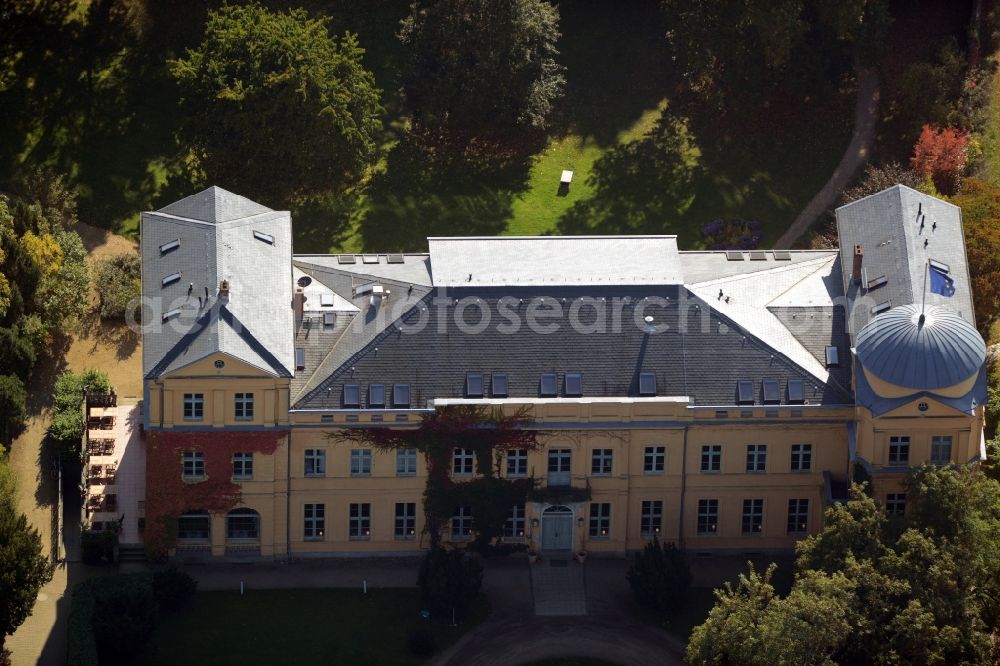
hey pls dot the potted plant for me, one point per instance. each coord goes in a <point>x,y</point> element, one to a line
<point>532,556</point>
<point>581,556</point>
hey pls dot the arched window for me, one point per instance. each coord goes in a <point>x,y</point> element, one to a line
<point>243,523</point>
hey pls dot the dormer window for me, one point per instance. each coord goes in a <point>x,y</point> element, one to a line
<point>474,385</point>
<point>352,396</point>
<point>400,395</point>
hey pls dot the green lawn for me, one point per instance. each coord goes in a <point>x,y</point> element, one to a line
<point>299,627</point>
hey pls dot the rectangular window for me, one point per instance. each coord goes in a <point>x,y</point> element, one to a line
<point>405,526</point>
<point>194,527</point>
<point>711,458</point>
<point>170,279</point>
<point>315,462</point>
<point>406,462</point>
<point>651,518</point>
<point>753,516</point>
<point>300,358</point>
<point>798,516</point>
<point>376,395</point>
<point>653,459</point>
<point>352,396</point>
<point>265,238</point>
<point>744,391</point>
<point>771,391</point>
<point>360,522</point>
<point>314,525</point>
<point>547,384</point>
<point>461,462</point>
<point>244,406</point>
<point>941,449</point>
<point>194,406</point>
<point>474,385</point>
<point>193,465</point>
<point>832,357</point>
<point>242,466</point>
<point>600,520</point>
<point>499,384</point>
<point>170,246</point>
<point>796,392</point>
<point>708,516</point>
<point>573,384</point>
<point>513,527</point>
<point>517,462</point>
<point>461,523</point>
<point>361,462</point>
<point>647,383</point>
<point>559,466</point>
<point>899,450</point>
<point>895,505</point>
<point>756,457</point>
<point>802,455</point>
<point>600,462</point>
<point>400,395</point>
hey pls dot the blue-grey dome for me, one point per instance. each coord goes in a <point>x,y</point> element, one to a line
<point>935,352</point>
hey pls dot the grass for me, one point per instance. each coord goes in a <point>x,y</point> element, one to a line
<point>570,661</point>
<point>300,627</point>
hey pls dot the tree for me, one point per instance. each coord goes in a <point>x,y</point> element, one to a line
<point>63,293</point>
<point>940,154</point>
<point>482,68</point>
<point>275,107</point>
<point>17,354</point>
<point>67,422</point>
<point>118,285</point>
<point>751,626</point>
<point>13,406</point>
<point>450,580</point>
<point>23,567</point>
<point>878,177</point>
<point>980,203</point>
<point>660,577</point>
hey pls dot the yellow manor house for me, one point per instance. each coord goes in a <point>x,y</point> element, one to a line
<point>720,400</point>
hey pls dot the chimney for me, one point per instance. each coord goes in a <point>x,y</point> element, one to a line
<point>224,288</point>
<point>859,255</point>
<point>298,302</point>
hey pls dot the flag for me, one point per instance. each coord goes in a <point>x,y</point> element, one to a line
<point>941,283</point>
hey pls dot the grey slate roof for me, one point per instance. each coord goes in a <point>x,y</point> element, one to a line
<point>886,226</point>
<point>702,359</point>
<point>215,232</point>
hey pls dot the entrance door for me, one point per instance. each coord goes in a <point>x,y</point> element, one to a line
<point>557,528</point>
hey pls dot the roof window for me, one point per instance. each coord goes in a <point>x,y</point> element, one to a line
<point>474,385</point>
<point>400,395</point>
<point>547,384</point>
<point>744,392</point>
<point>647,383</point>
<point>832,357</point>
<point>376,395</point>
<point>499,384</point>
<point>771,391</point>
<point>300,358</point>
<point>171,313</point>
<point>881,307</point>
<point>352,395</point>
<point>170,279</point>
<point>261,236</point>
<point>170,246</point>
<point>573,384</point>
<point>796,394</point>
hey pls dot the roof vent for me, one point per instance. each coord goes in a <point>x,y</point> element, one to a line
<point>859,255</point>
<point>224,287</point>
<point>305,281</point>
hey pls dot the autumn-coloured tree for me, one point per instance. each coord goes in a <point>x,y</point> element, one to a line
<point>980,203</point>
<point>940,153</point>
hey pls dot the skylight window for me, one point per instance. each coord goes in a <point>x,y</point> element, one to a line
<point>300,358</point>
<point>796,394</point>
<point>881,307</point>
<point>832,357</point>
<point>758,255</point>
<point>261,236</point>
<point>499,384</point>
<point>734,255</point>
<point>771,391</point>
<point>326,300</point>
<point>400,395</point>
<point>744,392</point>
<point>647,383</point>
<point>369,258</point>
<point>573,384</point>
<point>394,259</point>
<point>875,283</point>
<point>170,246</point>
<point>376,395</point>
<point>170,279</point>
<point>171,313</point>
<point>547,384</point>
<point>781,255</point>
<point>941,266</point>
<point>352,395</point>
<point>347,259</point>
<point>474,385</point>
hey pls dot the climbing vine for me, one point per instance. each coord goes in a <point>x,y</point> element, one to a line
<point>168,495</point>
<point>489,433</point>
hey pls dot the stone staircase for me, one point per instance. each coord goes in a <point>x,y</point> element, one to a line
<point>131,553</point>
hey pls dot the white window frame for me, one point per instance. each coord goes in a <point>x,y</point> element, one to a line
<point>193,465</point>
<point>756,458</point>
<point>602,462</point>
<point>359,521</point>
<point>244,463</point>
<point>462,462</point>
<point>708,517</point>
<point>405,522</point>
<point>361,462</point>
<point>895,505</point>
<point>711,458</point>
<point>517,463</point>
<point>243,406</point>
<point>515,525</point>
<point>194,407</point>
<point>801,460</point>
<point>899,445</point>
<point>753,517</point>
<point>798,516</point>
<point>600,521</point>
<point>938,443</point>
<point>650,518</point>
<point>654,460</point>
<point>318,459</point>
<point>461,524</point>
<point>314,522</point>
<point>406,461</point>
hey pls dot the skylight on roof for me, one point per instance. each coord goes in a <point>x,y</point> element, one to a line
<point>326,300</point>
<point>170,279</point>
<point>781,255</point>
<point>376,395</point>
<point>744,389</point>
<point>771,391</point>
<point>881,307</point>
<point>347,259</point>
<point>400,395</point>
<point>940,265</point>
<point>499,385</point>
<point>875,283</point>
<point>796,394</point>
<point>758,255</point>
<point>300,358</point>
<point>832,357</point>
<point>369,258</point>
<point>647,383</point>
<point>261,236</point>
<point>734,255</point>
<point>352,395</point>
<point>474,385</point>
<point>394,259</point>
<point>547,384</point>
<point>573,384</point>
<point>171,313</point>
<point>170,246</point>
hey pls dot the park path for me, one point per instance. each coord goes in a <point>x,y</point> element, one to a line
<point>865,121</point>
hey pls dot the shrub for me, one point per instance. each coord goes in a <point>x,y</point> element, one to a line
<point>660,577</point>
<point>940,153</point>
<point>98,547</point>
<point>131,593</point>
<point>421,644</point>
<point>117,281</point>
<point>731,234</point>
<point>450,580</point>
<point>123,622</point>
<point>174,589</point>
